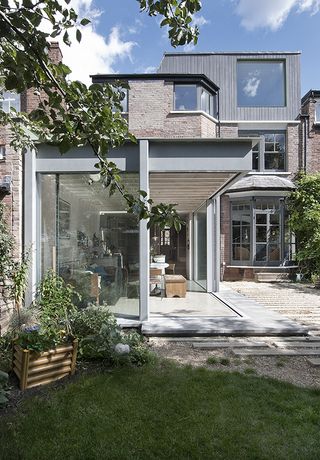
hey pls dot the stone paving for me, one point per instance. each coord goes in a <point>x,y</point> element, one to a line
<point>299,302</point>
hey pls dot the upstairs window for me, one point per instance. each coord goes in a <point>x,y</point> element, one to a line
<point>261,83</point>
<point>274,151</point>
<point>10,101</point>
<point>194,97</point>
<point>185,97</point>
<point>124,102</point>
<point>273,148</point>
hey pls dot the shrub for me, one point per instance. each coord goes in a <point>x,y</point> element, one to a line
<point>304,209</point>
<point>4,379</point>
<point>98,334</point>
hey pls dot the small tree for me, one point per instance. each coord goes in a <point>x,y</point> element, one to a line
<point>304,209</point>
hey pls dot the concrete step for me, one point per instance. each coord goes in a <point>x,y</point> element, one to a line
<point>276,352</point>
<point>314,361</point>
<point>299,344</point>
<point>269,277</point>
<point>229,344</point>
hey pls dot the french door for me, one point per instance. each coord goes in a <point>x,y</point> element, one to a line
<point>267,236</point>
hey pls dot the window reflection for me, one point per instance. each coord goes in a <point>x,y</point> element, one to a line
<point>261,83</point>
<point>90,239</point>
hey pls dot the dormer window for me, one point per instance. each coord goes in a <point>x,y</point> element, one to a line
<point>192,98</point>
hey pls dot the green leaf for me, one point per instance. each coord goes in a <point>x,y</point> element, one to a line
<point>78,35</point>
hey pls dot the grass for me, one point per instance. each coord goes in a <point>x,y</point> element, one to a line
<point>212,360</point>
<point>166,412</point>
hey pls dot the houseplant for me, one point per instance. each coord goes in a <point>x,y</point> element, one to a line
<point>44,349</point>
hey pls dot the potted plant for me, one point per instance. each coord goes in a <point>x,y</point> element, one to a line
<point>45,350</point>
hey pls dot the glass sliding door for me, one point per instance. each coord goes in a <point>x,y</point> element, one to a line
<point>90,240</point>
<point>200,246</point>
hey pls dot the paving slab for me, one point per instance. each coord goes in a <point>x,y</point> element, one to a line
<point>251,319</point>
<point>277,352</point>
<point>299,344</point>
<point>314,361</point>
<point>229,344</point>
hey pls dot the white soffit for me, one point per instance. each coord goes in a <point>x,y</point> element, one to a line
<point>186,189</point>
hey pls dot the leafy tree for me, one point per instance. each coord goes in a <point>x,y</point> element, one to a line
<point>304,209</point>
<point>70,114</point>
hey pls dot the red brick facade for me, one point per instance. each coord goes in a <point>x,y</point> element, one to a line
<point>12,165</point>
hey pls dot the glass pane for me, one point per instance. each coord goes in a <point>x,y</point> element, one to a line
<point>185,97</point>
<point>269,147</point>
<point>124,102</point>
<point>236,252</point>
<point>274,252</point>
<point>274,160</point>
<point>274,218</point>
<point>261,252</point>
<point>200,246</point>
<point>260,83</point>
<point>205,101</point>
<point>245,252</point>
<point>236,234</point>
<point>261,218</point>
<point>245,234</point>
<point>268,137</point>
<point>97,246</point>
<point>48,187</point>
<point>261,234</point>
<point>255,160</point>
<point>280,143</point>
<point>274,233</point>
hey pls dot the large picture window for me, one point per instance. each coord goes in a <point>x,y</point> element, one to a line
<point>90,240</point>
<point>261,83</point>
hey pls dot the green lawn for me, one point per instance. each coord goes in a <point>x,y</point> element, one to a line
<point>166,412</point>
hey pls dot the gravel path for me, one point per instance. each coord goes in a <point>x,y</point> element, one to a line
<point>300,302</point>
<point>295,370</point>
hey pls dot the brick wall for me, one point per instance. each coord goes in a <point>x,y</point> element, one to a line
<point>12,165</point>
<point>293,149</point>
<point>150,107</point>
<point>313,138</point>
<point>229,130</point>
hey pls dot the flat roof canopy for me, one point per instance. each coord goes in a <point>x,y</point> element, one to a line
<point>188,190</point>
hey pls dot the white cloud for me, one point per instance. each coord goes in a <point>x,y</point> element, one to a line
<point>251,87</point>
<point>150,69</point>
<point>199,21</point>
<point>136,27</point>
<point>272,13</point>
<point>95,53</point>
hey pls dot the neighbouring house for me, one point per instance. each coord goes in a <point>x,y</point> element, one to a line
<point>219,134</point>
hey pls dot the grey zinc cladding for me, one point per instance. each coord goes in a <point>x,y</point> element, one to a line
<point>221,68</point>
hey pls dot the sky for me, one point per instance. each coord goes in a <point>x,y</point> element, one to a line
<point>120,39</point>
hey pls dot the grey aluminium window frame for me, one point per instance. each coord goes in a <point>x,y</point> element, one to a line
<point>199,88</point>
<point>252,201</point>
<point>261,157</point>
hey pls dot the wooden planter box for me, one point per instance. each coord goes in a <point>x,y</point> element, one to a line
<point>34,368</point>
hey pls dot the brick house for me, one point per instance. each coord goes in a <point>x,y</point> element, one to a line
<point>219,134</point>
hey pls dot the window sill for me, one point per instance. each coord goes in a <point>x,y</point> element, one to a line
<point>193,112</point>
<point>268,173</point>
